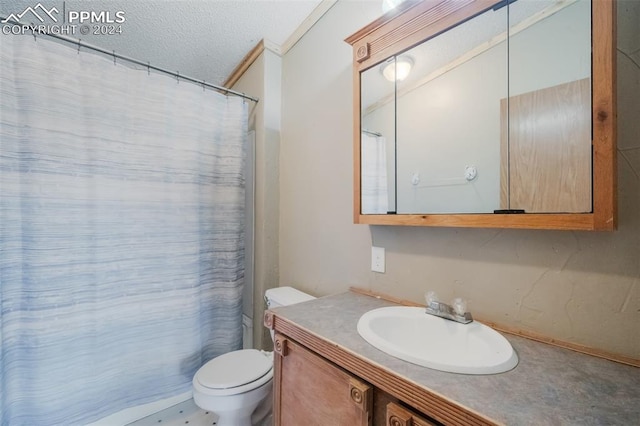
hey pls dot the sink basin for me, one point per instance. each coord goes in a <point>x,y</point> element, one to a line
<point>408,333</point>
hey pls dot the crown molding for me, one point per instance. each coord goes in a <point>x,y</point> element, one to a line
<point>279,50</point>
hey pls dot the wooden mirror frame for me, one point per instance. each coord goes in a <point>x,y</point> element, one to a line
<point>417,21</point>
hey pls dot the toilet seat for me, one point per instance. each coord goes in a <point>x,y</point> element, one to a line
<point>235,372</point>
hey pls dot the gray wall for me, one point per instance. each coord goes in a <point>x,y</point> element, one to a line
<point>581,287</point>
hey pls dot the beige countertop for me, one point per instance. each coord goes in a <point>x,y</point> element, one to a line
<point>550,385</point>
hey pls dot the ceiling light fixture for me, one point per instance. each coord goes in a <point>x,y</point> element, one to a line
<point>398,69</point>
<point>387,5</point>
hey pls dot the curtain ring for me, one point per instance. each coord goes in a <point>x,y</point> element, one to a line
<point>79,41</point>
<point>148,68</point>
<point>178,77</point>
<point>203,83</point>
<point>114,57</point>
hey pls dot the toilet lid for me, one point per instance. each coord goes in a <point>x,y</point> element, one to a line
<point>234,369</point>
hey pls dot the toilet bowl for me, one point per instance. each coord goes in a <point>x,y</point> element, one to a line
<point>233,385</point>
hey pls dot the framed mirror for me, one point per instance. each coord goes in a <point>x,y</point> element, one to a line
<point>483,113</point>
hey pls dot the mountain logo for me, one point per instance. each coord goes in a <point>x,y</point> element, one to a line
<point>39,11</point>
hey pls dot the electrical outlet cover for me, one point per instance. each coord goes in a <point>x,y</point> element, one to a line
<point>377,259</point>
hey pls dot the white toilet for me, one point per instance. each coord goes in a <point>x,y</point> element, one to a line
<point>233,385</point>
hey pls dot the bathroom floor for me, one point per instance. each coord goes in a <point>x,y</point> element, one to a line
<point>185,413</point>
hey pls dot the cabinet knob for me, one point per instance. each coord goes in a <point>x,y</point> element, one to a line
<point>396,421</point>
<point>280,345</point>
<point>361,394</point>
<point>398,416</point>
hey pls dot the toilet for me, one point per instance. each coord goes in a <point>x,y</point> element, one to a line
<point>233,385</point>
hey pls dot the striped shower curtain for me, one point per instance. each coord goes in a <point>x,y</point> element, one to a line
<point>121,233</point>
<point>373,181</point>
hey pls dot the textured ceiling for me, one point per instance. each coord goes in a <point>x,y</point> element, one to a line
<point>204,39</point>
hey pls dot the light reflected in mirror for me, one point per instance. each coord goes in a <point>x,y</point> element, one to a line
<point>472,117</point>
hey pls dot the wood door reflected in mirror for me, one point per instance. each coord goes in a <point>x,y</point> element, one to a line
<point>546,163</point>
<point>496,115</point>
<point>546,149</point>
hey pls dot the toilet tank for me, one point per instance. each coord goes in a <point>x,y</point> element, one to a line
<point>284,296</point>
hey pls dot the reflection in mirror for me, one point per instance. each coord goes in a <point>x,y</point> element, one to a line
<point>546,139</point>
<point>448,120</point>
<point>509,107</point>
<point>494,114</point>
<point>377,142</point>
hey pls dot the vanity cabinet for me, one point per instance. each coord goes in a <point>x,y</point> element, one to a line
<point>317,384</point>
<point>311,390</point>
<point>326,374</point>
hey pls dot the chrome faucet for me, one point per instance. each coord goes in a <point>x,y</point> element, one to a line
<point>457,311</point>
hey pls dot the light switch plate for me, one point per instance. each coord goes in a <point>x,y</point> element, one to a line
<point>377,259</point>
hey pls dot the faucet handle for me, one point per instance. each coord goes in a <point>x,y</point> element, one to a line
<point>459,306</point>
<point>431,297</point>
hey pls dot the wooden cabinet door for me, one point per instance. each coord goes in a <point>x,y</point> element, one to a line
<point>546,150</point>
<point>311,391</point>
<point>400,416</point>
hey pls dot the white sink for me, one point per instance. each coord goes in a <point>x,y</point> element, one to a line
<point>412,335</point>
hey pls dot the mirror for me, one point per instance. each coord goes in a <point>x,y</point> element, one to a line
<point>483,112</point>
<point>448,119</point>
<point>377,143</point>
<point>546,135</point>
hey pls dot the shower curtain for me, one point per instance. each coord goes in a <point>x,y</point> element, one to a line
<point>121,233</point>
<point>374,174</point>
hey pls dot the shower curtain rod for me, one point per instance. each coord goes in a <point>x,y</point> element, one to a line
<point>177,75</point>
<point>369,132</point>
